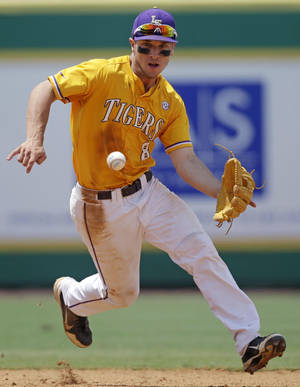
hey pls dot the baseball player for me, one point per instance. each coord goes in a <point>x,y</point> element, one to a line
<point>124,104</point>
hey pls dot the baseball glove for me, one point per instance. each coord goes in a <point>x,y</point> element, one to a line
<point>236,191</point>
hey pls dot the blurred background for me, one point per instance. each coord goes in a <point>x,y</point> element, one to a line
<point>237,67</point>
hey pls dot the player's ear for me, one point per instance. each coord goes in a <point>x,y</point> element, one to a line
<point>172,48</point>
<point>132,43</point>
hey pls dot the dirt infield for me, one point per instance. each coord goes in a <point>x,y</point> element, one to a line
<point>65,376</point>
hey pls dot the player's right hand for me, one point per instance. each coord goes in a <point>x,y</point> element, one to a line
<point>29,153</point>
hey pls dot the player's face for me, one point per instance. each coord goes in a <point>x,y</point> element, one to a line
<point>150,57</point>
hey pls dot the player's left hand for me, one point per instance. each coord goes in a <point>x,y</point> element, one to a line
<point>29,153</point>
<point>236,191</point>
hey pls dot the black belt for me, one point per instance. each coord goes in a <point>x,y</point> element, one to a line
<point>127,190</point>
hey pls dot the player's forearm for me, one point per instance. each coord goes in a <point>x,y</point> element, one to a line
<point>194,172</point>
<point>39,104</point>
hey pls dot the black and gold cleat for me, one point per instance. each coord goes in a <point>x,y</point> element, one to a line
<point>76,327</point>
<point>261,350</point>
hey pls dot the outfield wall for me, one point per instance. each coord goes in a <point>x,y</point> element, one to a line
<point>227,24</point>
<point>251,269</point>
<point>237,67</point>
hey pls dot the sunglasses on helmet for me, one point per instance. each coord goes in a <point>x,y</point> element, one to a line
<point>156,29</point>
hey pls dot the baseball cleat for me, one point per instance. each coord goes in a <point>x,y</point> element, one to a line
<point>76,327</point>
<point>262,349</point>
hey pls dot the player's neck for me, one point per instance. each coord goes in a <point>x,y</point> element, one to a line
<point>147,80</point>
<point>148,83</point>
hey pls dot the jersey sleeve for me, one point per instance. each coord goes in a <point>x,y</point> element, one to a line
<point>177,135</point>
<point>76,82</point>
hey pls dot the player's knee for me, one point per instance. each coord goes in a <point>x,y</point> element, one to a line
<point>123,298</point>
<point>130,297</point>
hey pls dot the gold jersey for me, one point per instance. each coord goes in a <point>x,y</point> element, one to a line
<point>111,112</point>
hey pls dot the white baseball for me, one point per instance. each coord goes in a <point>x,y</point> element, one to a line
<point>116,160</point>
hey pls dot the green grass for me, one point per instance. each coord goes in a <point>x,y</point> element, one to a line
<point>161,330</point>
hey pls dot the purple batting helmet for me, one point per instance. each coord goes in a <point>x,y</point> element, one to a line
<point>154,24</point>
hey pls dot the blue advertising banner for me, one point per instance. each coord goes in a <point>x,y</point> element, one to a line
<point>226,113</point>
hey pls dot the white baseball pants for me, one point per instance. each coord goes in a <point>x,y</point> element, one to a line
<point>113,231</point>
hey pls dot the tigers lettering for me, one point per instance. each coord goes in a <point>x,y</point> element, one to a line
<point>128,114</point>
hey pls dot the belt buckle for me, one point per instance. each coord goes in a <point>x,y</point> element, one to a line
<point>136,185</point>
<point>132,188</point>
